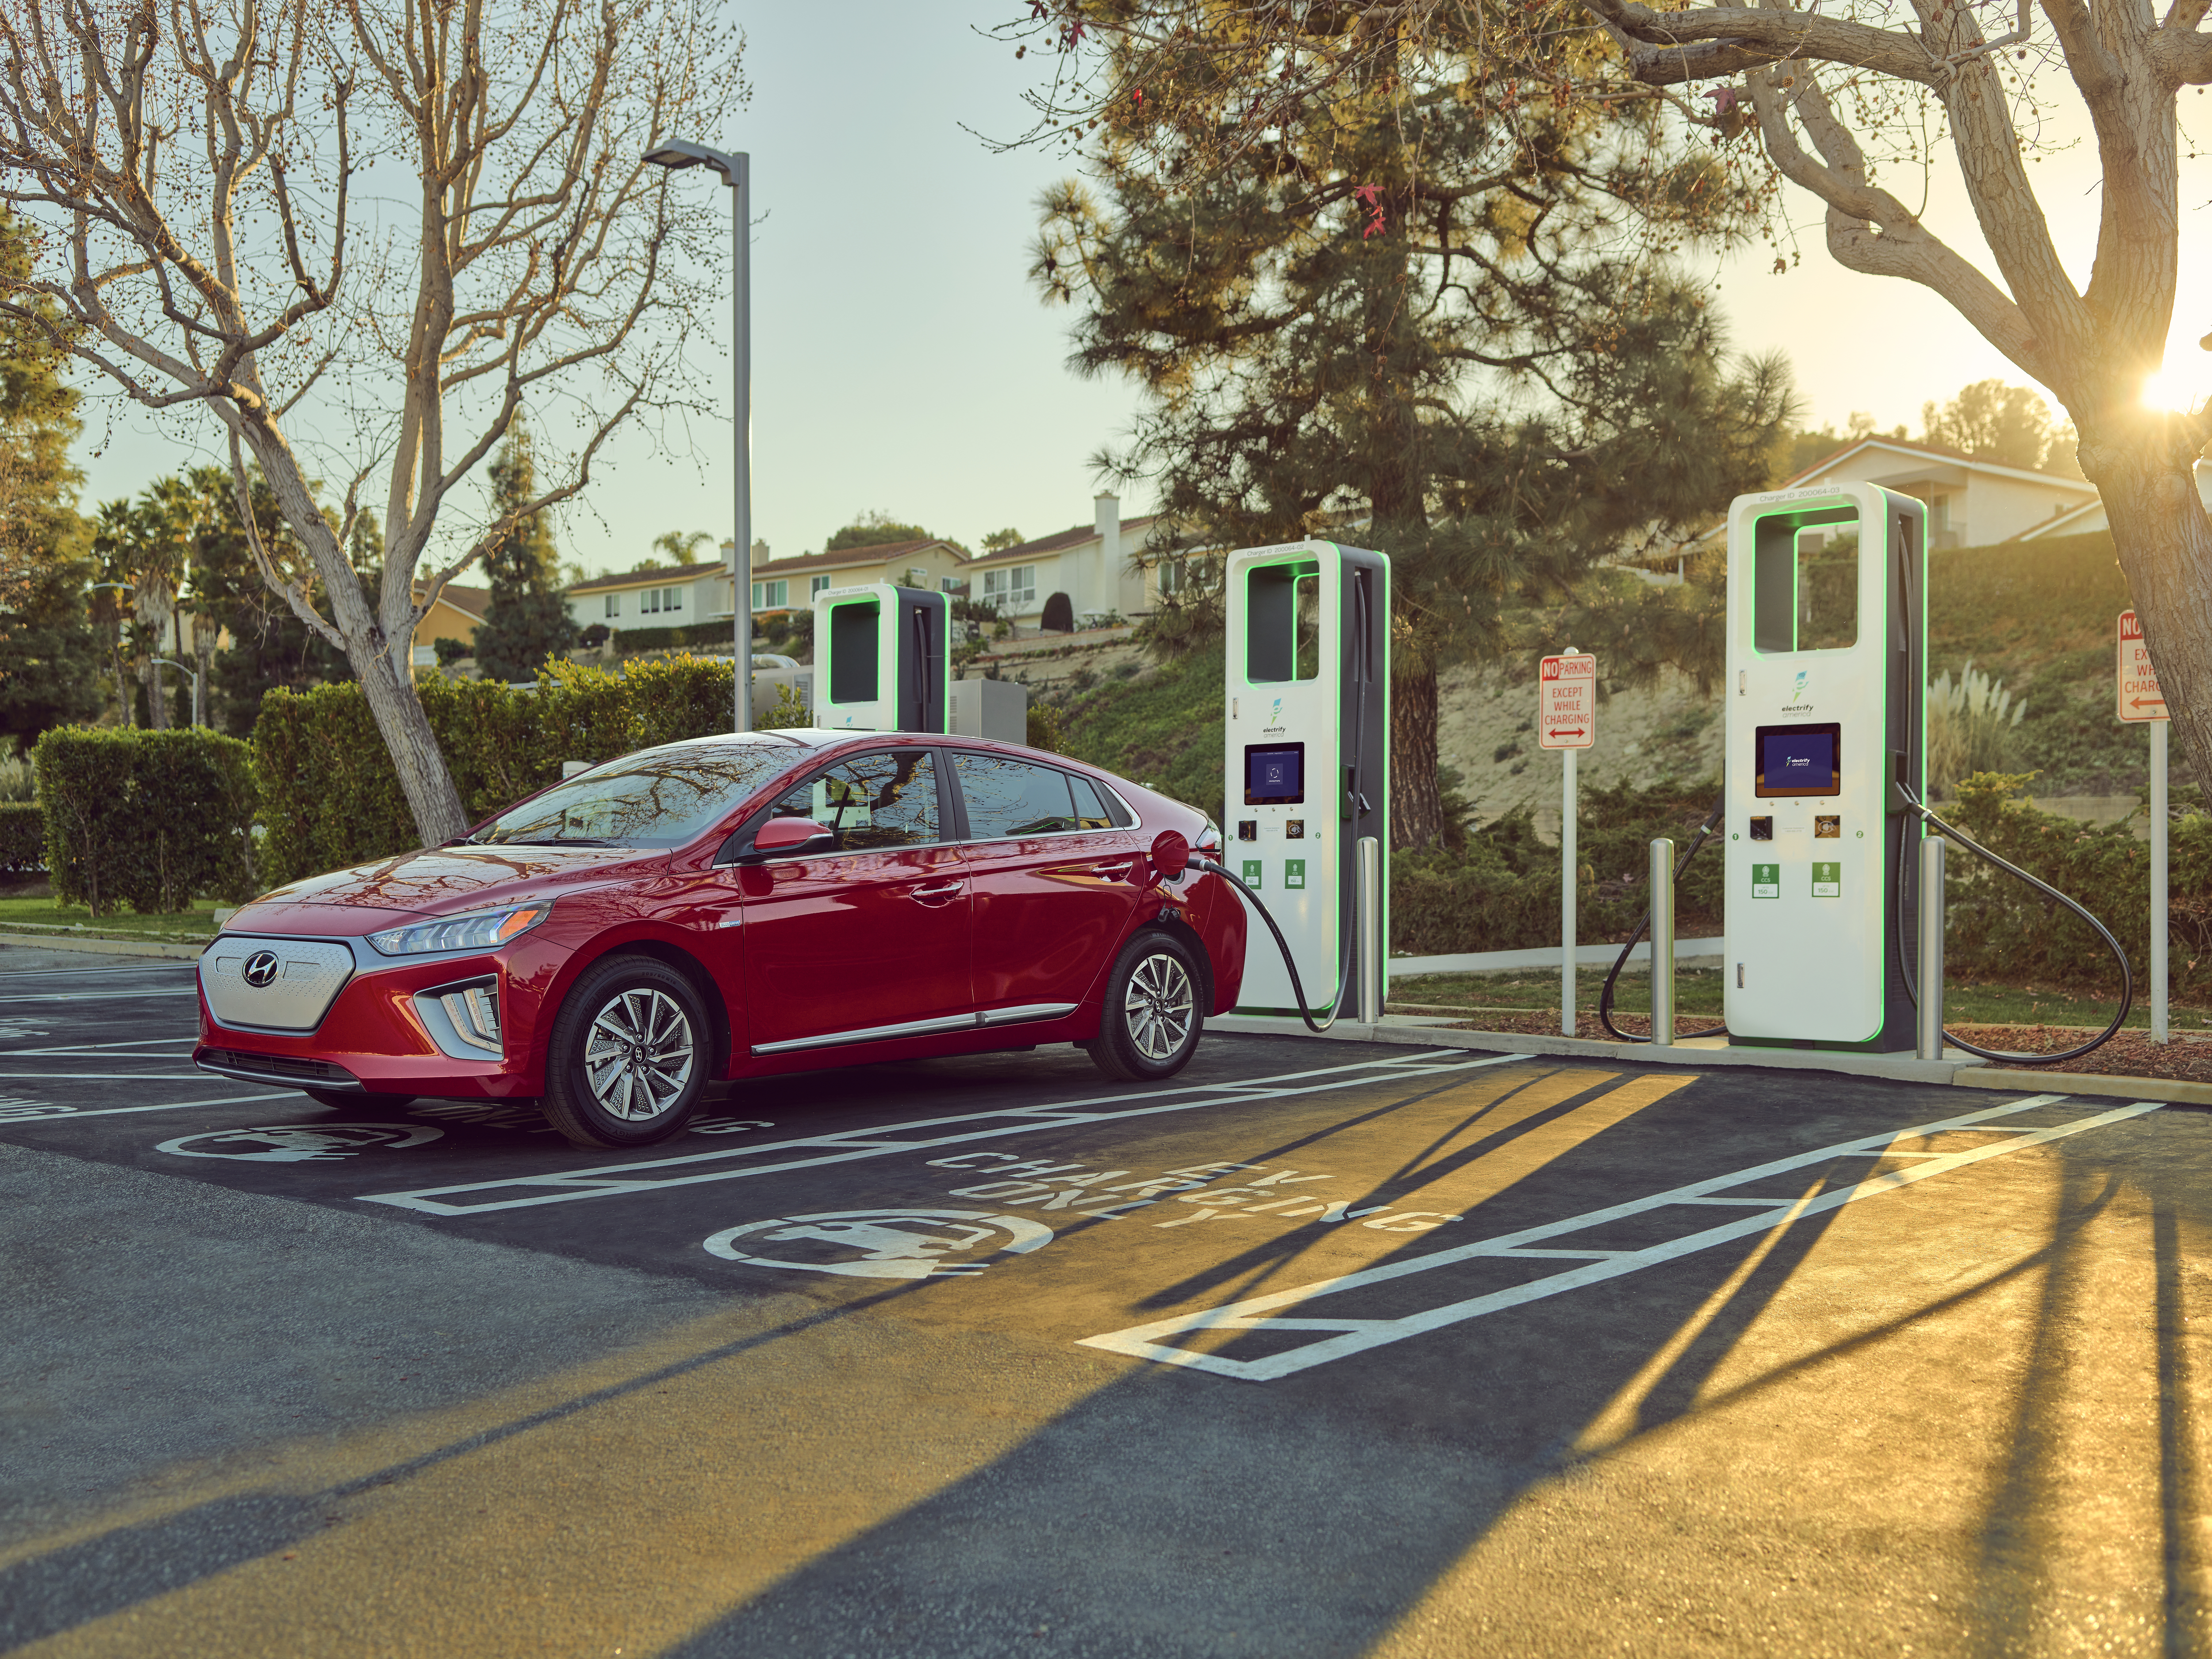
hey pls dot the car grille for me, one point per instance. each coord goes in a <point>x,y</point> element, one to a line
<point>277,1068</point>
<point>273,984</point>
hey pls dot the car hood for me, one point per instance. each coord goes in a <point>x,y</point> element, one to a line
<point>438,880</point>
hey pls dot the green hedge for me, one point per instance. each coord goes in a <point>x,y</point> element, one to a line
<point>329,796</point>
<point>1998,928</point>
<point>22,838</point>
<point>151,819</point>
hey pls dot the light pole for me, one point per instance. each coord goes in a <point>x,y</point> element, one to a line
<point>736,171</point>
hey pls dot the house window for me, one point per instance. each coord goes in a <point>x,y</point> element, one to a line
<point>661,599</point>
<point>614,605</point>
<point>771,596</point>
<point>1010,589</point>
<point>815,583</point>
<point>948,584</point>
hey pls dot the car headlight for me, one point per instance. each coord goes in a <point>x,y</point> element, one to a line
<point>472,930</point>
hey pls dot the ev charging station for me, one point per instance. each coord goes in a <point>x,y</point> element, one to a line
<point>882,659</point>
<point>1826,675</point>
<point>1306,775</point>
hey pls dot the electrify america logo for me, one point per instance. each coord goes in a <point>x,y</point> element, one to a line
<point>1274,719</point>
<point>1797,703</point>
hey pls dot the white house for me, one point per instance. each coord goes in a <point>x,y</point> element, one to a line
<point>1971,503</point>
<point>790,584</point>
<point>2083,520</point>
<point>668,596</point>
<point>1087,562</point>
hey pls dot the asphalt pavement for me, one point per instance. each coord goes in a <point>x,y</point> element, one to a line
<point>1319,1349</point>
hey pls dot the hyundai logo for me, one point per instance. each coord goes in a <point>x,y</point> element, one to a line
<point>260,969</point>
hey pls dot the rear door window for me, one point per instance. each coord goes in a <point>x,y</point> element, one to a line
<point>1007,797</point>
<point>871,802</point>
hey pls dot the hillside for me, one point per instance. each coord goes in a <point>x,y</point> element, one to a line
<point>2037,616</point>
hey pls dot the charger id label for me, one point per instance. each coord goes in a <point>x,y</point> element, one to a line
<point>1766,881</point>
<point>1252,874</point>
<point>1828,880</point>
<point>1294,873</point>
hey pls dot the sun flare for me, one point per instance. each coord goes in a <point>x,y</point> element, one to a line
<point>2169,388</point>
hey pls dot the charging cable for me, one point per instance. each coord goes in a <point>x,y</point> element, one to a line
<point>1912,978</point>
<point>1199,861</point>
<point>1605,997</point>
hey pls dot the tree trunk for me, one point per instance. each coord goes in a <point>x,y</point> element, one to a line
<point>2165,545</point>
<point>1417,809</point>
<point>405,725</point>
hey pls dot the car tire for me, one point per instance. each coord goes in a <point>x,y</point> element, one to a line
<point>353,1100</point>
<point>628,1062</point>
<point>1150,1026</point>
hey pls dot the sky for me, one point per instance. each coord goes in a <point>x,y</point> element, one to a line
<point>903,364</point>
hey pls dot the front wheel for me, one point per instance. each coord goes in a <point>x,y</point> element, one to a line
<point>1150,1026</point>
<point>628,1062</point>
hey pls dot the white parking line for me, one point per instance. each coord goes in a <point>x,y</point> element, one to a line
<point>105,1048</point>
<point>103,1077</point>
<point>98,996</point>
<point>854,1146</point>
<point>43,1113</point>
<point>1337,1337</point>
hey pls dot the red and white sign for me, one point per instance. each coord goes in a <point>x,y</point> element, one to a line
<point>2140,698</point>
<point>1566,701</point>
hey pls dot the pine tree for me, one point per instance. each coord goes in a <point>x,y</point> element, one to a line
<point>49,652</point>
<point>528,620</point>
<point>1412,323</point>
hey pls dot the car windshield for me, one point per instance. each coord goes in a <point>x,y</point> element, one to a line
<point>655,798</point>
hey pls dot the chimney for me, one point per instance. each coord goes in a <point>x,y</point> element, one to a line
<point>760,554</point>
<point>1107,516</point>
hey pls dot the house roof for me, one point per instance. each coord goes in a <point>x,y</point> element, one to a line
<point>844,558</point>
<point>471,601</point>
<point>658,574</point>
<point>1075,535</point>
<point>1937,451</point>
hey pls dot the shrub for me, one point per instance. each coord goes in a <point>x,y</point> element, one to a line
<point>668,638</point>
<point>1999,928</point>
<point>22,838</point>
<point>329,797</point>
<point>1970,729</point>
<point>151,819</point>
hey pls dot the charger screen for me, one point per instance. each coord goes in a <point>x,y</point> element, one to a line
<point>1800,760</point>
<point>1275,776</point>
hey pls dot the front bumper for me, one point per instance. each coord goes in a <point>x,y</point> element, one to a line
<point>385,1031</point>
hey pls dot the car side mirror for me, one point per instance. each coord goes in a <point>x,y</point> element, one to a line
<point>785,837</point>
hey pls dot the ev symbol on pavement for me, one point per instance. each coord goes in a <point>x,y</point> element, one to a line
<point>883,1243</point>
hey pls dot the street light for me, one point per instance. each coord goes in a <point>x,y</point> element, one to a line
<point>736,171</point>
<point>199,709</point>
<point>200,716</point>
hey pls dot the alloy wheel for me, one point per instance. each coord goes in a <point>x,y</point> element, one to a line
<point>638,1054</point>
<point>1158,1006</point>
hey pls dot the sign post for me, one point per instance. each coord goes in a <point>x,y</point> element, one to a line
<point>1566,719</point>
<point>2140,700</point>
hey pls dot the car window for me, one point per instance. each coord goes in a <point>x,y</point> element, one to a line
<point>884,799</point>
<point>656,797</point>
<point>1007,797</point>
<point>1090,812</point>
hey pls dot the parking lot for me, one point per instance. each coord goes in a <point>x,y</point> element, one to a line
<point>1322,1348</point>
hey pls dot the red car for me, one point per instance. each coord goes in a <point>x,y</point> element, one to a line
<point>735,907</point>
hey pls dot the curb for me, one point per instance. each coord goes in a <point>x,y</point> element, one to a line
<point>1964,1073</point>
<point>106,947</point>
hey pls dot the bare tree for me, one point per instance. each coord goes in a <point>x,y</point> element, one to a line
<point>195,173</point>
<point>1832,96</point>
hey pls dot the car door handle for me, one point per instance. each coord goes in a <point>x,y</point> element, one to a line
<point>924,895</point>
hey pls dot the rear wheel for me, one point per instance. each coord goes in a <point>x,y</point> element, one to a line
<point>628,1062</point>
<point>354,1100</point>
<point>1150,1026</point>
